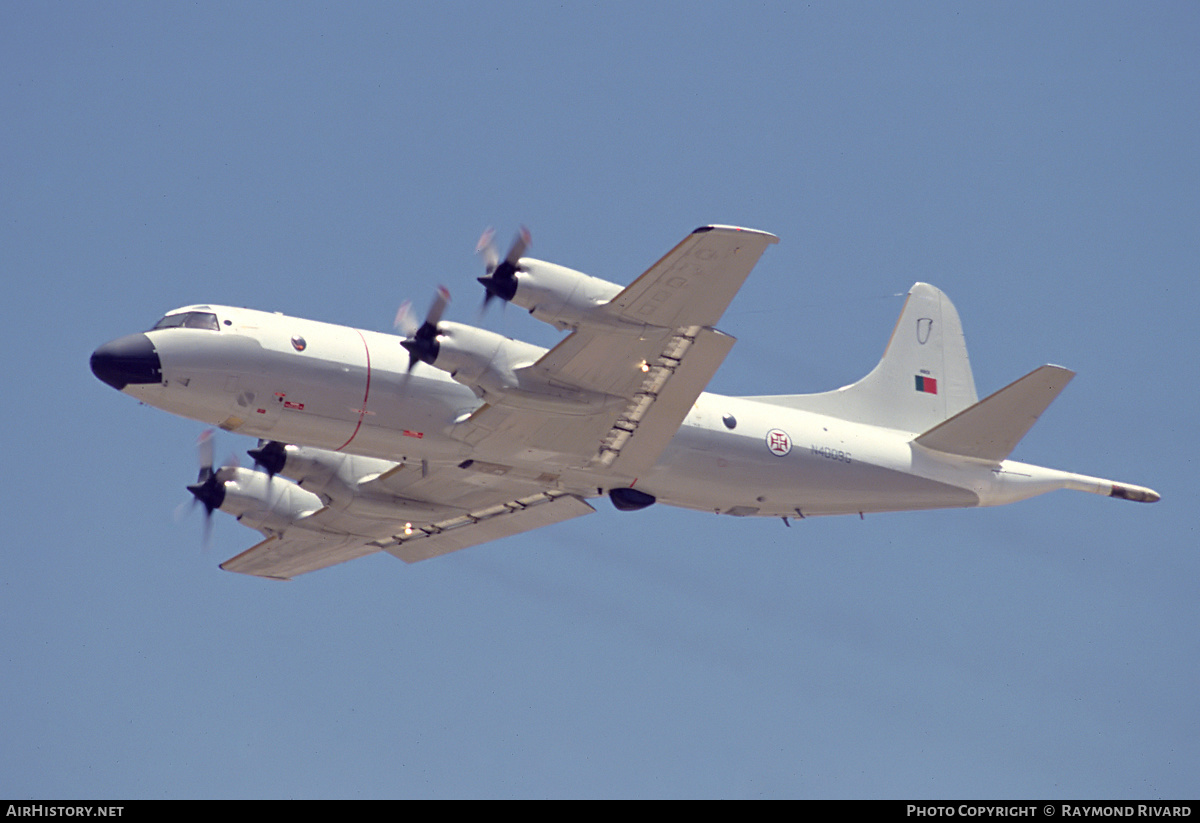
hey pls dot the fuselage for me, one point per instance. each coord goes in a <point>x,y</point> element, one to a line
<point>351,390</point>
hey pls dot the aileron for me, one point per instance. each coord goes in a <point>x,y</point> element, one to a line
<point>298,552</point>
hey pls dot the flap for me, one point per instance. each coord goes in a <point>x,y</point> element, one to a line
<point>477,527</point>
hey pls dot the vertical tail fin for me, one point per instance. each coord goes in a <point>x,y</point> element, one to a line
<point>923,378</point>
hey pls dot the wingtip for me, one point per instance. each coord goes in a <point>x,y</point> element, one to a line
<point>770,238</point>
<point>225,567</point>
<point>1138,494</point>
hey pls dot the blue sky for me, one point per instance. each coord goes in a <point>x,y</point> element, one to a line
<point>1036,161</point>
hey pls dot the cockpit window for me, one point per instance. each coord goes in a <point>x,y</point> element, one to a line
<point>189,320</point>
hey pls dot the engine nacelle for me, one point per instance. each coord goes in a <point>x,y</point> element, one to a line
<point>483,360</point>
<point>495,367</point>
<point>318,469</point>
<point>268,504</point>
<point>274,505</point>
<point>341,482</point>
<point>562,297</point>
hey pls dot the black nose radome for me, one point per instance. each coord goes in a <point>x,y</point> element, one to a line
<point>129,359</point>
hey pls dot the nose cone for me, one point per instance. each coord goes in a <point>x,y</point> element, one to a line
<point>129,359</point>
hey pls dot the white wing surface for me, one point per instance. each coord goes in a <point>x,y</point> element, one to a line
<point>443,508</point>
<point>693,284</point>
<point>298,551</point>
<point>653,359</point>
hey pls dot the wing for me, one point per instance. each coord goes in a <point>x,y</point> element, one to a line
<point>694,282</point>
<point>298,551</point>
<point>654,359</point>
<point>443,509</point>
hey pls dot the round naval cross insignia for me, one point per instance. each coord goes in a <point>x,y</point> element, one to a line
<point>778,442</point>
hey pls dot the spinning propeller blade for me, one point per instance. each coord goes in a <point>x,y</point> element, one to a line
<point>270,455</point>
<point>209,488</point>
<point>406,321</point>
<point>501,278</point>
<point>422,344</point>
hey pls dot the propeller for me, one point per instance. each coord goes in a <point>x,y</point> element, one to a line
<point>501,278</point>
<point>406,321</point>
<point>270,455</point>
<point>422,343</point>
<point>209,488</point>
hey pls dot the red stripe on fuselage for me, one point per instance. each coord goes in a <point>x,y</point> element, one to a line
<point>362,412</point>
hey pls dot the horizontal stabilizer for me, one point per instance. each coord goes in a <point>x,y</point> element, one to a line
<point>991,429</point>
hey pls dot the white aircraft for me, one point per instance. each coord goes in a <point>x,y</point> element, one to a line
<point>454,435</point>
